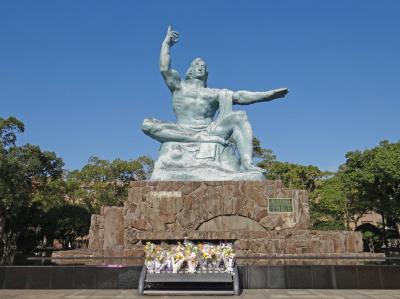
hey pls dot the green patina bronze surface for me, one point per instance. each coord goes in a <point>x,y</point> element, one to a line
<point>208,141</point>
<point>280,205</point>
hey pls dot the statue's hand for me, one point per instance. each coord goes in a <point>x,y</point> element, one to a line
<point>172,37</point>
<point>280,92</point>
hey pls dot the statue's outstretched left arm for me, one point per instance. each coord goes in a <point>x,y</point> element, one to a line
<point>244,97</point>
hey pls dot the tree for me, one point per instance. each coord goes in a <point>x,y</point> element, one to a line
<point>328,205</point>
<point>8,129</point>
<point>66,223</point>
<point>262,155</point>
<point>24,170</point>
<point>35,191</point>
<point>53,193</point>
<point>372,180</point>
<point>101,182</point>
<point>295,175</point>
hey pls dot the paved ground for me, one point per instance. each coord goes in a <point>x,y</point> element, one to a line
<point>256,294</point>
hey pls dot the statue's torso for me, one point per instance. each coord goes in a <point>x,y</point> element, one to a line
<point>194,105</point>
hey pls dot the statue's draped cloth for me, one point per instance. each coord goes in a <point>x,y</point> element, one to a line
<point>199,161</point>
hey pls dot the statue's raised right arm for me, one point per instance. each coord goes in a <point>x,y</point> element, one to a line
<point>171,76</point>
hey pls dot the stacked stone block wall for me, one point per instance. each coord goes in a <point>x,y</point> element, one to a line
<point>236,211</point>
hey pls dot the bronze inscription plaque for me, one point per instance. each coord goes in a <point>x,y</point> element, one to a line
<point>280,205</point>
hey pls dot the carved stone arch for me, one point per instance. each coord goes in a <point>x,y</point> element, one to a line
<point>230,223</point>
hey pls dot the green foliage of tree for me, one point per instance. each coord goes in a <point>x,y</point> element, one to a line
<point>262,155</point>
<point>24,170</point>
<point>372,180</point>
<point>53,193</point>
<point>28,227</point>
<point>100,182</point>
<point>38,197</point>
<point>8,129</point>
<point>328,205</point>
<point>66,223</point>
<point>295,175</point>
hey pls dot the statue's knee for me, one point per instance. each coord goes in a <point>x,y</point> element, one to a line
<point>240,116</point>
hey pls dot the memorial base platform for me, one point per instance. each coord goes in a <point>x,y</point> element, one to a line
<point>261,218</point>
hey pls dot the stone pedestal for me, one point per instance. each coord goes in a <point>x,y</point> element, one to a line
<point>259,217</point>
<point>212,206</point>
<point>184,161</point>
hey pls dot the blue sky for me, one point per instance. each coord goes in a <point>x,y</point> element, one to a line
<point>82,75</point>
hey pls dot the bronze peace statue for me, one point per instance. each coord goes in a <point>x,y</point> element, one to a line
<point>209,141</point>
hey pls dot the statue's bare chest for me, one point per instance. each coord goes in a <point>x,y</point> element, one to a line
<point>197,100</point>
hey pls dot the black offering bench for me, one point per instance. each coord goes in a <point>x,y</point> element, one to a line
<point>203,282</point>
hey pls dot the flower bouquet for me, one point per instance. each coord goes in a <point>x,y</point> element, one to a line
<point>191,261</point>
<point>149,256</point>
<point>216,257</point>
<point>179,247</point>
<point>204,256</point>
<point>228,257</point>
<point>177,261</point>
<point>169,262</point>
<point>160,259</point>
<point>191,252</point>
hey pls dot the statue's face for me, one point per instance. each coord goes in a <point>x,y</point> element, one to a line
<point>197,70</point>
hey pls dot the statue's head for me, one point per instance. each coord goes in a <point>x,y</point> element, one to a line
<point>198,70</point>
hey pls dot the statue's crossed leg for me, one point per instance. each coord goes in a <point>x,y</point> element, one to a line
<point>164,131</point>
<point>234,126</point>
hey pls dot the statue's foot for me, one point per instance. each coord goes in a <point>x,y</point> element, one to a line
<point>251,167</point>
<point>204,137</point>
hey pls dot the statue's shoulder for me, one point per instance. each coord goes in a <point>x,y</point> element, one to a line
<point>218,92</point>
<point>214,92</point>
